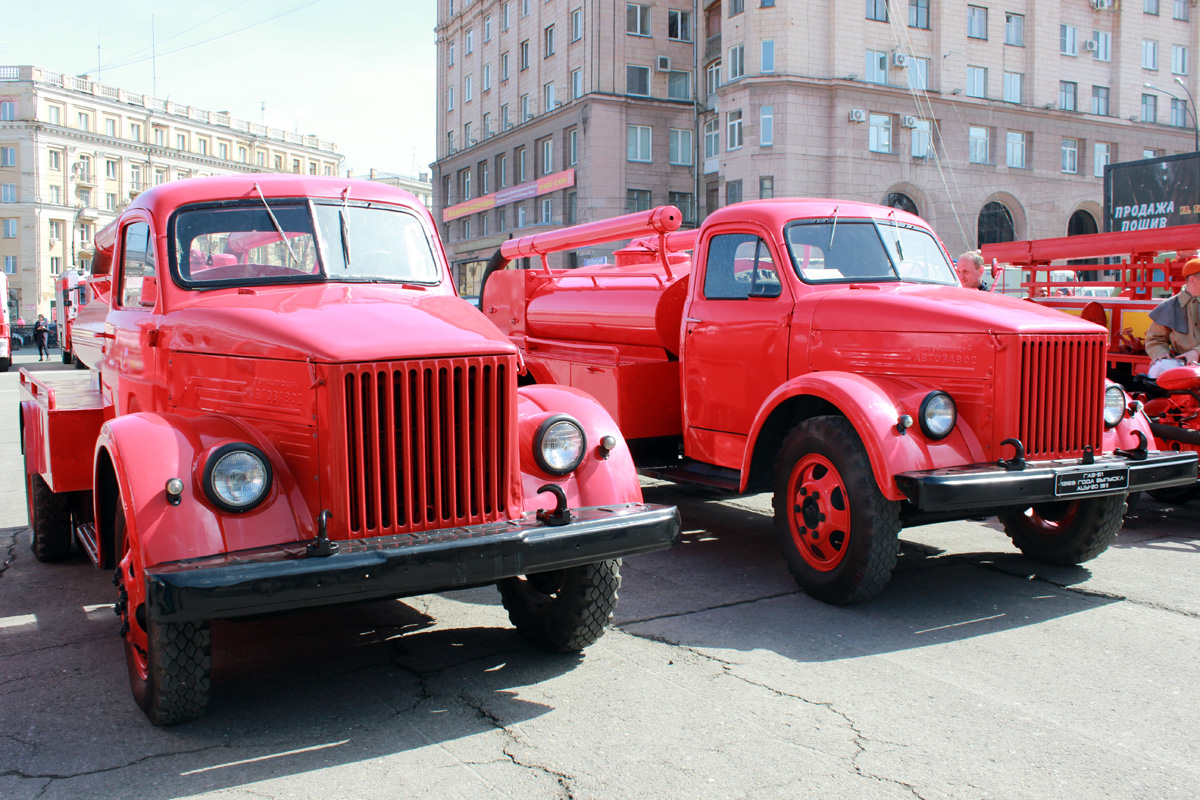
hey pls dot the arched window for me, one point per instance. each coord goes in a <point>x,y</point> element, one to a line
<point>1081,223</point>
<point>901,201</point>
<point>996,224</point>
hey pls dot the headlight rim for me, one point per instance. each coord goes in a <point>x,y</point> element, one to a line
<point>929,434</point>
<point>214,458</point>
<point>540,434</point>
<point>1124,405</point>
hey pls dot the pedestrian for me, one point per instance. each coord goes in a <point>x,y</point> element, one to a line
<point>1173,338</point>
<point>970,269</point>
<point>40,332</point>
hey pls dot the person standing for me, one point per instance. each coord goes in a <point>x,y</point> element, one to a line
<point>1173,337</point>
<point>970,269</point>
<point>40,332</point>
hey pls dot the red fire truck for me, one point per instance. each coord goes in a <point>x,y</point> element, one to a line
<point>1134,271</point>
<point>68,294</point>
<point>293,409</point>
<point>5,326</point>
<point>824,350</point>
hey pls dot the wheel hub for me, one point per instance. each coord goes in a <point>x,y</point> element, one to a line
<point>820,512</point>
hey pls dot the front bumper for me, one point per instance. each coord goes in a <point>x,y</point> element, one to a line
<point>982,487</point>
<point>282,578</point>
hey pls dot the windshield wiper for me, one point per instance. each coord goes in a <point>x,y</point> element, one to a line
<point>896,233</point>
<point>345,220</point>
<point>275,222</point>
<point>833,230</point>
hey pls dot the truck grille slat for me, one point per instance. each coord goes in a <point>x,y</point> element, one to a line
<point>1062,395</point>
<point>425,444</point>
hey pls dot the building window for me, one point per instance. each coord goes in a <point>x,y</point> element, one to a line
<point>547,211</point>
<point>766,187</point>
<point>876,67</point>
<point>8,112</point>
<point>880,138</point>
<point>450,54</point>
<point>736,7</point>
<point>55,159</point>
<point>487,28</point>
<point>464,181</point>
<point>976,82</point>
<point>679,85</point>
<point>1181,10</point>
<point>918,73</point>
<point>8,193</point>
<point>450,98</point>
<point>712,138</point>
<point>922,139</point>
<point>1014,29</point>
<point>637,19</point>
<point>85,122</point>
<point>1068,40</point>
<point>767,55</point>
<point>1068,91</point>
<point>572,208</point>
<point>679,25</point>
<point>548,101</point>
<point>110,127</point>
<point>1150,6</point>
<point>637,200</point>
<point>712,75</point>
<point>1100,100</point>
<point>978,139</point>
<point>683,201</point>
<point>468,88</point>
<point>737,62</point>
<point>56,195</point>
<point>1178,59</point>
<point>10,265</point>
<point>1178,113</point>
<point>1014,147</point>
<point>504,66</point>
<point>10,229</point>
<point>1101,158</point>
<point>8,157</point>
<point>55,265</point>
<point>487,77</point>
<point>637,80</point>
<point>1103,41</point>
<point>918,14</point>
<point>1149,108</point>
<point>469,46</point>
<point>766,126</point>
<point>466,228</point>
<point>637,143</point>
<point>505,16</point>
<point>680,150</point>
<point>733,192</point>
<point>733,132</point>
<point>520,165</point>
<point>548,41</point>
<point>54,112</point>
<point>1149,54</point>
<point>573,147</point>
<point>877,10</point>
<point>577,25</point>
<point>483,178</point>
<point>1070,156</point>
<point>110,170</point>
<point>547,156</point>
<point>523,55</point>
<point>502,170</point>
<point>110,201</point>
<point>521,215</point>
<point>1013,85</point>
<point>223,150</point>
<point>976,22</point>
<point>576,83</point>
<point>526,111</point>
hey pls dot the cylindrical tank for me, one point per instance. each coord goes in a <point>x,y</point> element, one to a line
<point>635,305</point>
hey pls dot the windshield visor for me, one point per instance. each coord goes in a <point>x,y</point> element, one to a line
<point>857,251</point>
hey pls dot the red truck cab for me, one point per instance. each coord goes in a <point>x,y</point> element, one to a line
<point>291,409</point>
<point>824,350</point>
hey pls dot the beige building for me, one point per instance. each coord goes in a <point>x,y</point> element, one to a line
<point>991,120</point>
<point>74,152</point>
<point>419,187</point>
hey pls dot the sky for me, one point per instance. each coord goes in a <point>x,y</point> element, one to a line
<point>358,73</point>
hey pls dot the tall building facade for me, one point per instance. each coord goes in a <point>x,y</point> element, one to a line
<point>74,152</point>
<point>993,121</point>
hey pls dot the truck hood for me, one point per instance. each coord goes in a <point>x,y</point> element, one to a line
<point>344,323</point>
<point>915,308</point>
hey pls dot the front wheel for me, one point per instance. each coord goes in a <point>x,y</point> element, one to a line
<point>1066,532</point>
<point>66,356</point>
<point>565,610</point>
<point>838,533</point>
<point>168,662</point>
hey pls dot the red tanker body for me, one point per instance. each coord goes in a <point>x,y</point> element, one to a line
<point>824,350</point>
<point>289,407</point>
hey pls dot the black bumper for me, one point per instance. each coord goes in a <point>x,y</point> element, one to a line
<point>981,487</point>
<point>273,579</point>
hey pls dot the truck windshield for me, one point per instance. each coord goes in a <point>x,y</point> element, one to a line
<point>866,251</point>
<point>244,244</point>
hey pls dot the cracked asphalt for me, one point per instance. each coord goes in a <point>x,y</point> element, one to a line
<point>977,674</point>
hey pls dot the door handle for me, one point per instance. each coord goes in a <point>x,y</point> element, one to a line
<point>692,319</point>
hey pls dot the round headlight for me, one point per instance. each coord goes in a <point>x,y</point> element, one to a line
<point>1114,406</point>
<point>237,477</point>
<point>937,415</point>
<point>559,445</point>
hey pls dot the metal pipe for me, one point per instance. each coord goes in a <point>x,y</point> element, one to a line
<point>661,220</point>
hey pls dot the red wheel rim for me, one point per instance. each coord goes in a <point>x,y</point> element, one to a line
<point>820,513</point>
<point>133,596</point>
<point>1052,518</point>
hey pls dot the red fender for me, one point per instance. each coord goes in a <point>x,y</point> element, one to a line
<point>148,449</point>
<point>874,407</point>
<point>598,481</point>
<point>1122,434</point>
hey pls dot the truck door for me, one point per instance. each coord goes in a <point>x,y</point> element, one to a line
<point>735,334</point>
<point>130,356</point>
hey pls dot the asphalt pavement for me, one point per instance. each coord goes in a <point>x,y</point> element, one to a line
<point>977,674</point>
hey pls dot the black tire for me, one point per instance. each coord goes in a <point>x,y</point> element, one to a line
<point>838,533</point>
<point>168,662</point>
<point>1068,532</point>
<point>78,364</point>
<point>66,356</point>
<point>1176,494</point>
<point>1132,501</point>
<point>5,363</point>
<point>49,521</point>
<point>566,610</point>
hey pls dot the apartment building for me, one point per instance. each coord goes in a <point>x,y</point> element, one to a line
<point>420,186</point>
<point>74,152</point>
<point>993,121</point>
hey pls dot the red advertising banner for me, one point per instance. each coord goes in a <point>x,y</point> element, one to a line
<point>524,191</point>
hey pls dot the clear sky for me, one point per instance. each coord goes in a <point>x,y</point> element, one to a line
<point>359,73</point>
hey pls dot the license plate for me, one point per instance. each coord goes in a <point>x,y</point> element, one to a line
<point>1089,481</point>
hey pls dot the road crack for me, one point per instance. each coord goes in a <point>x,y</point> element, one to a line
<point>718,607</point>
<point>10,554</point>
<point>514,739</point>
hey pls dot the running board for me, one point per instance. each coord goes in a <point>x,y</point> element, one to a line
<point>726,480</point>
<point>85,534</point>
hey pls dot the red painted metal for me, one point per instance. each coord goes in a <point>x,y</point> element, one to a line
<point>662,220</point>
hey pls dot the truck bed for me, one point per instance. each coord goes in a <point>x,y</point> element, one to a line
<point>62,407</point>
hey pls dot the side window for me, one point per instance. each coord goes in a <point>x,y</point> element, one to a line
<point>739,265</point>
<point>139,289</point>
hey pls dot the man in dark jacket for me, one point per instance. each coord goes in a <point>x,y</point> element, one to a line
<point>40,332</point>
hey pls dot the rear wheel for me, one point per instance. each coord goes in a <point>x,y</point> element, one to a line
<point>168,662</point>
<point>5,363</point>
<point>838,533</point>
<point>49,520</point>
<point>66,356</point>
<point>565,610</point>
<point>1176,494</point>
<point>1067,532</point>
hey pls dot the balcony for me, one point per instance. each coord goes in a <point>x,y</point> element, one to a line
<point>85,177</point>
<point>712,47</point>
<point>89,214</point>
